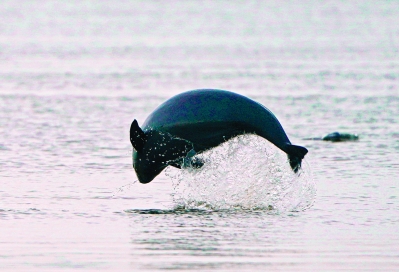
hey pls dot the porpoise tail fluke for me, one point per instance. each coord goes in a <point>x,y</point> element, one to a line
<point>295,155</point>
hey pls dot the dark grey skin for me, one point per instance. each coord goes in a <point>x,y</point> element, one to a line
<point>337,137</point>
<point>195,121</point>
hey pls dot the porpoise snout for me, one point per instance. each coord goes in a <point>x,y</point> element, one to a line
<point>145,177</point>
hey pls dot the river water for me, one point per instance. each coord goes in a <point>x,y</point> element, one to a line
<point>74,74</point>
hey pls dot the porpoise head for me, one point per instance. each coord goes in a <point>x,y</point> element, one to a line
<point>154,151</point>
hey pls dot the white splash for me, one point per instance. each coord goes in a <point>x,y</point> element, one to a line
<point>123,188</point>
<point>246,172</point>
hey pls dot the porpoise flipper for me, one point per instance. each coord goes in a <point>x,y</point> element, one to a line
<point>196,162</point>
<point>188,161</point>
<point>191,161</point>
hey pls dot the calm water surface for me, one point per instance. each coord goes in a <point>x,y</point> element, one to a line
<point>74,75</point>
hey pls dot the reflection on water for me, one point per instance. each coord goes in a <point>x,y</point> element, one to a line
<point>210,239</point>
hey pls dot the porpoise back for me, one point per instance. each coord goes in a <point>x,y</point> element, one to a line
<point>210,117</point>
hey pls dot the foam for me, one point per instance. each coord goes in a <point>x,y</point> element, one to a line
<point>246,173</point>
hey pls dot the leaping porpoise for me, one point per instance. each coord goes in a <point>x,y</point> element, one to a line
<point>194,121</point>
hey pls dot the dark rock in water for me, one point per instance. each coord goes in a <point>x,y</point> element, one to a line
<point>340,137</point>
<point>336,137</point>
